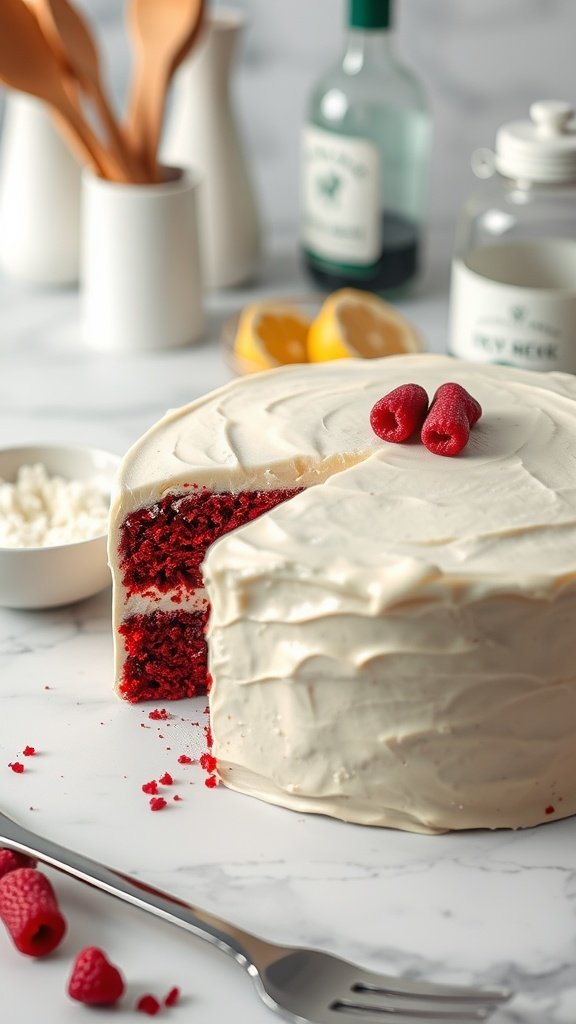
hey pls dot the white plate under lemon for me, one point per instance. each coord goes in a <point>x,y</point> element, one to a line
<point>348,324</point>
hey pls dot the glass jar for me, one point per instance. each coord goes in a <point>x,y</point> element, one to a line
<point>513,290</point>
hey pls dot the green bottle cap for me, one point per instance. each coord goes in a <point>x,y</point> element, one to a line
<point>369,13</point>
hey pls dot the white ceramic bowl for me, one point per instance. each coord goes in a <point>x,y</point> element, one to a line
<point>44,577</point>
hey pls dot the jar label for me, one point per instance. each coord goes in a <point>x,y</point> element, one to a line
<point>340,197</point>
<point>495,322</point>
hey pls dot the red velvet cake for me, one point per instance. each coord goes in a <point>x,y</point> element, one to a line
<point>391,637</point>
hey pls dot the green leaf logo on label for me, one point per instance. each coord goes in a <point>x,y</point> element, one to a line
<point>518,314</point>
<point>329,186</point>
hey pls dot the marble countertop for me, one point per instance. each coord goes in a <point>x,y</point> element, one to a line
<point>486,908</point>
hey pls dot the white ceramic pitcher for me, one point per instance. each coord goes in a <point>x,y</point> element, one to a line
<point>40,185</point>
<point>202,134</point>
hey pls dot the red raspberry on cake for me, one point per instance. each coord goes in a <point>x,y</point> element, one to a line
<point>94,980</point>
<point>452,415</point>
<point>29,910</point>
<point>399,414</point>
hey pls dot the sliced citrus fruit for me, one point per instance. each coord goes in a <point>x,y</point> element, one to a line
<point>270,335</point>
<point>357,324</point>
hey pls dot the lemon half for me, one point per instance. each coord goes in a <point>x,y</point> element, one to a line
<point>357,324</point>
<point>269,336</point>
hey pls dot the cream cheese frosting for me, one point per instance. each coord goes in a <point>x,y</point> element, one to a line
<point>395,645</point>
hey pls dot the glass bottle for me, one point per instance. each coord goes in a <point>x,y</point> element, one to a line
<point>513,289</point>
<point>365,153</point>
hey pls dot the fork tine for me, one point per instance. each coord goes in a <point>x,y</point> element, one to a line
<point>370,981</point>
<point>312,985</point>
<point>368,1004</point>
<point>346,1015</point>
<point>428,1009</point>
<point>373,998</point>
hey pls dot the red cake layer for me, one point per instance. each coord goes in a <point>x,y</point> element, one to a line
<point>166,655</point>
<point>163,545</point>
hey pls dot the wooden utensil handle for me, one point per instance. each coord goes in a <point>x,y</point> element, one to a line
<point>137,120</point>
<point>119,147</point>
<point>106,162</point>
<point>152,122</point>
<point>76,144</point>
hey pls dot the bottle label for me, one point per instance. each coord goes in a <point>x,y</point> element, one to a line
<point>495,322</point>
<point>340,197</point>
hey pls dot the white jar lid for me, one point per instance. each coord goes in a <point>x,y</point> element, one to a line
<point>542,149</point>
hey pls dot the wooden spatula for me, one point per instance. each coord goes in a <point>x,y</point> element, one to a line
<point>75,48</point>
<point>164,32</point>
<point>27,63</point>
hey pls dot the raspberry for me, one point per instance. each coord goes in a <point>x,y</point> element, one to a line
<point>94,980</point>
<point>16,767</point>
<point>452,414</point>
<point>400,413</point>
<point>29,751</point>
<point>148,1004</point>
<point>166,779</point>
<point>185,759</point>
<point>10,860</point>
<point>172,997</point>
<point>211,782</point>
<point>150,787</point>
<point>30,912</point>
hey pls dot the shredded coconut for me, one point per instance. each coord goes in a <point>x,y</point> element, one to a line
<point>40,511</point>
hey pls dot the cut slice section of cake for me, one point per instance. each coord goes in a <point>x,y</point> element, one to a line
<point>160,553</point>
<point>201,472</point>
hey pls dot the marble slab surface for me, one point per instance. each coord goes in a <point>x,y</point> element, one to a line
<point>487,908</point>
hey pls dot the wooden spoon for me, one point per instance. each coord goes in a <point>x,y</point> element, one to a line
<point>164,32</point>
<point>27,63</point>
<point>74,46</point>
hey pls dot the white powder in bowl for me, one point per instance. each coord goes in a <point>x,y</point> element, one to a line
<point>40,510</point>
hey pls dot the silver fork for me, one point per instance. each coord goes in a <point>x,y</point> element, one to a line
<point>306,986</point>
